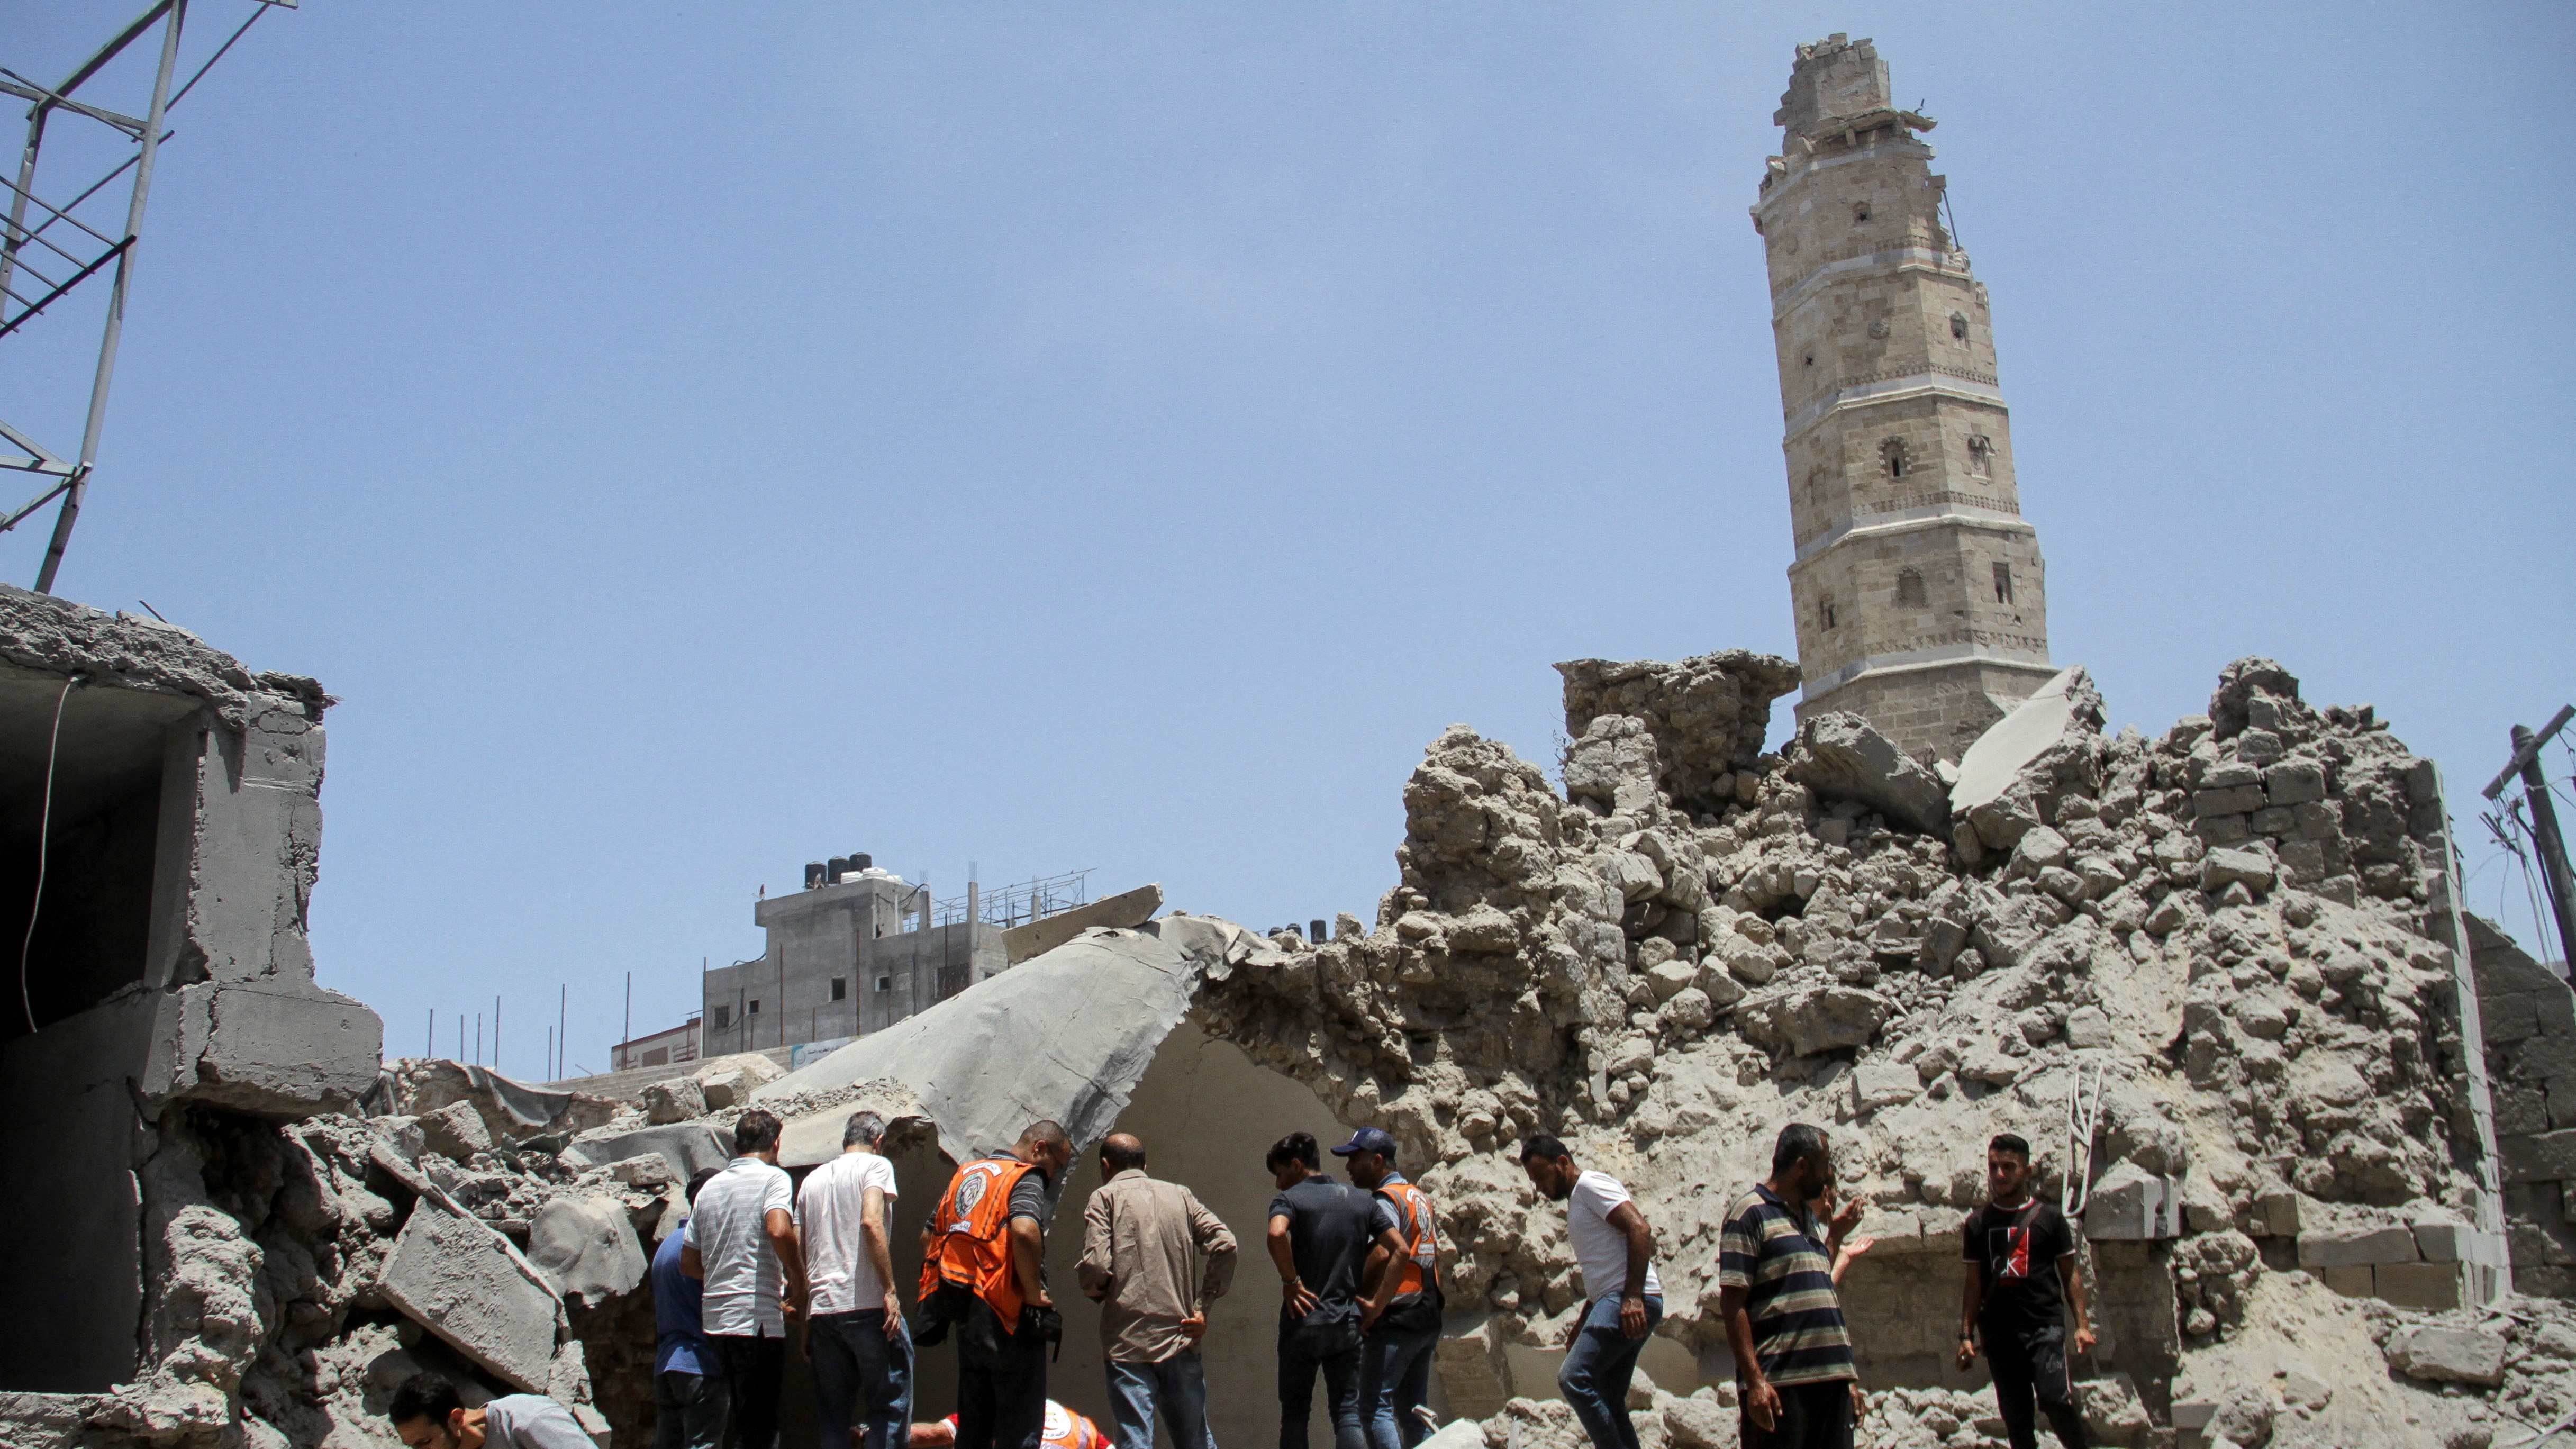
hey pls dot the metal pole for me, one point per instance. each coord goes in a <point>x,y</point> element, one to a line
<point>17,233</point>
<point>70,512</point>
<point>429,1043</point>
<point>626,1033</point>
<point>496,1032</point>
<point>563,995</point>
<point>2553,847</point>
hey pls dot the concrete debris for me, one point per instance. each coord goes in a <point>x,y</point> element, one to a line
<point>731,1081</point>
<point>585,1246</point>
<point>676,1100</point>
<point>512,1112</point>
<point>2448,1355</point>
<point>455,1276</point>
<point>1122,912</point>
<point>1841,758</point>
<point>1991,798</point>
<point>689,1147</point>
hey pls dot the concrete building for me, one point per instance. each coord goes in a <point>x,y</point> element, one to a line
<point>1920,595</point>
<point>854,952</point>
<point>168,800</point>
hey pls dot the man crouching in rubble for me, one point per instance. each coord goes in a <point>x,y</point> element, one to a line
<point>427,1414</point>
<point>983,1253</point>
<point>2020,1256</point>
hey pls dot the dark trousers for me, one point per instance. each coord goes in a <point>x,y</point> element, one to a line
<point>1812,1416</point>
<point>688,1411</point>
<point>1001,1383</point>
<point>862,1379</point>
<point>1341,1370</point>
<point>1395,1380</point>
<point>2031,1366</point>
<point>1599,1367</point>
<point>754,1370</point>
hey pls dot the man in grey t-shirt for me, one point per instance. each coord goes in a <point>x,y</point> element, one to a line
<point>427,1414</point>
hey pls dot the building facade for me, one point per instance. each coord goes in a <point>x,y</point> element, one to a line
<point>853,953</point>
<point>1921,598</point>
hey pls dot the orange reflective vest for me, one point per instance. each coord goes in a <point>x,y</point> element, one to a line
<point>1064,1429</point>
<point>972,1247</point>
<point>1419,1268</point>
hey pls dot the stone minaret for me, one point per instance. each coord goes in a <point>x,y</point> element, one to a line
<point>1920,597</point>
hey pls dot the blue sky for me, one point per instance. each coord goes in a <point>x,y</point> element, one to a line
<point>696,439</point>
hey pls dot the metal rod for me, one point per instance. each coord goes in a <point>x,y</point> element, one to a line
<point>61,213</point>
<point>10,241</point>
<point>563,995</point>
<point>116,252</point>
<point>94,187</point>
<point>2525,752</point>
<point>70,514</point>
<point>496,1032</point>
<point>108,52</point>
<point>25,89</point>
<point>256,12</point>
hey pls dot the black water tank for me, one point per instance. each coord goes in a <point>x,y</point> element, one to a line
<point>839,867</point>
<point>862,861</point>
<point>814,875</point>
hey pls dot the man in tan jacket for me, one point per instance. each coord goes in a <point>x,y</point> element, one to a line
<point>1141,1241</point>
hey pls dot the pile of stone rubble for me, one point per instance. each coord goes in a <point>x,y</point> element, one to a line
<point>2230,936</point>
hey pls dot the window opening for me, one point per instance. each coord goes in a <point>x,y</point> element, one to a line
<point>1893,452</point>
<point>840,988</point>
<point>885,983</point>
<point>2003,583</point>
<point>1959,325</point>
<point>1981,457</point>
<point>1825,607</point>
<point>1909,588</point>
<point>724,1016</point>
<point>1860,213</point>
<point>754,1009</point>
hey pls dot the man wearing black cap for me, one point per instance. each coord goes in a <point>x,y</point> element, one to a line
<point>1402,1313</point>
<point>1320,1235</point>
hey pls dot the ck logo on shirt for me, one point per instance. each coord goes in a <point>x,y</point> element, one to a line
<point>2008,1252</point>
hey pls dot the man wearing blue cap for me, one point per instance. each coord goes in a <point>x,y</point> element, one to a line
<point>1319,1238</point>
<point>1401,1316</point>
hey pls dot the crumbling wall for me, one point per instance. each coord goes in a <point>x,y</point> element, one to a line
<point>2530,1028</point>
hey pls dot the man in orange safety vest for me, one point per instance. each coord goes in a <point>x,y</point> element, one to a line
<point>982,1257</point>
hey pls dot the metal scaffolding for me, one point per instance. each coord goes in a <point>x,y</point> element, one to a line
<point>43,261</point>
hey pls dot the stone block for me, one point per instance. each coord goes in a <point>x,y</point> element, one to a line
<point>2272,820</point>
<point>2277,1211</point>
<point>2243,800</point>
<point>2088,1027</point>
<point>2448,1355</point>
<point>676,1100</point>
<point>586,1248</point>
<point>2222,868</point>
<point>1671,977</point>
<point>2353,1280</point>
<point>2295,782</point>
<point>730,1081</point>
<point>2541,1157</point>
<point>454,1276</point>
<point>2445,1242</point>
<point>2508,1017</point>
<point>455,1132</point>
<point>2338,1247</point>
<point>1806,1020</point>
<point>1840,757</point>
<point>2224,829</point>
<point>1880,1084</point>
<point>2430,1286</point>
<point>2130,1204</point>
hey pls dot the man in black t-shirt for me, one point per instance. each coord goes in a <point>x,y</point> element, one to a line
<point>2021,1258</point>
<point>1320,1235</point>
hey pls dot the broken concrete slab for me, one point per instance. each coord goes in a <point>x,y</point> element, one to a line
<point>455,1132</point>
<point>2067,705</point>
<point>690,1147</point>
<point>2132,1205</point>
<point>730,1081</point>
<point>1066,1035</point>
<point>453,1275</point>
<point>283,1049</point>
<point>1841,758</point>
<point>2448,1355</point>
<point>586,1248</point>
<point>676,1100</point>
<point>1123,912</point>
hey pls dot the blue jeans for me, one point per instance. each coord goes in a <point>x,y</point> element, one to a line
<point>1395,1379</point>
<point>1595,1376</point>
<point>688,1411</point>
<point>862,1378</point>
<point>1297,1395</point>
<point>1178,1384</point>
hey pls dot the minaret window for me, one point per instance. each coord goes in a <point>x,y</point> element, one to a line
<point>1959,326</point>
<point>1893,451</point>
<point>1825,610</point>
<point>1860,213</point>
<point>2003,583</point>
<point>1909,588</point>
<point>1981,457</point>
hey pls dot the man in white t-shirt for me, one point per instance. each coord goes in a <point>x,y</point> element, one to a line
<point>854,1331</point>
<point>1622,1297</point>
<point>742,1242</point>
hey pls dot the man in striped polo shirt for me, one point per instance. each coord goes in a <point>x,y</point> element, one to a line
<point>1775,1278</point>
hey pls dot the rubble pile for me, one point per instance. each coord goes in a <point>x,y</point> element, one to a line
<point>2236,926</point>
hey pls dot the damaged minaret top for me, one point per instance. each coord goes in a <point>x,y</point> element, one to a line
<point>1917,585</point>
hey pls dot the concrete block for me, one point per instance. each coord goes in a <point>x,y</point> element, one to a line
<point>2441,1242</point>
<point>2223,867</point>
<point>2430,1286</point>
<point>690,1146</point>
<point>2353,1280</point>
<point>1122,912</point>
<point>1840,757</point>
<point>455,1132</point>
<point>677,1100</point>
<point>2338,1247</point>
<point>454,1276</point>
<point>2242,800</point>
<point>2131,1205</point>
<point>1880,1084</point>
<point>280,1049</point>
<point>2295,782</point>
<point>730,1081</point>
<point>586,1248</point>
<point>2448,1355</point>
<point>2066,704</point>
<point>2278,1213</point>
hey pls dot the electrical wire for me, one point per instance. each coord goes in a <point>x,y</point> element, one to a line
<point>45,828</point>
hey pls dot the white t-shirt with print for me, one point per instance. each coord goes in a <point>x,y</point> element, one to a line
<point>830,1211</point>
<point>1600,1249</point>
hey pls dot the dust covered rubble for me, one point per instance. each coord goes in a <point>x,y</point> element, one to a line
<point>1697,942</point>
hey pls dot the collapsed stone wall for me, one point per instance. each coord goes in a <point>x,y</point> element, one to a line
<point>2236,924</point>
